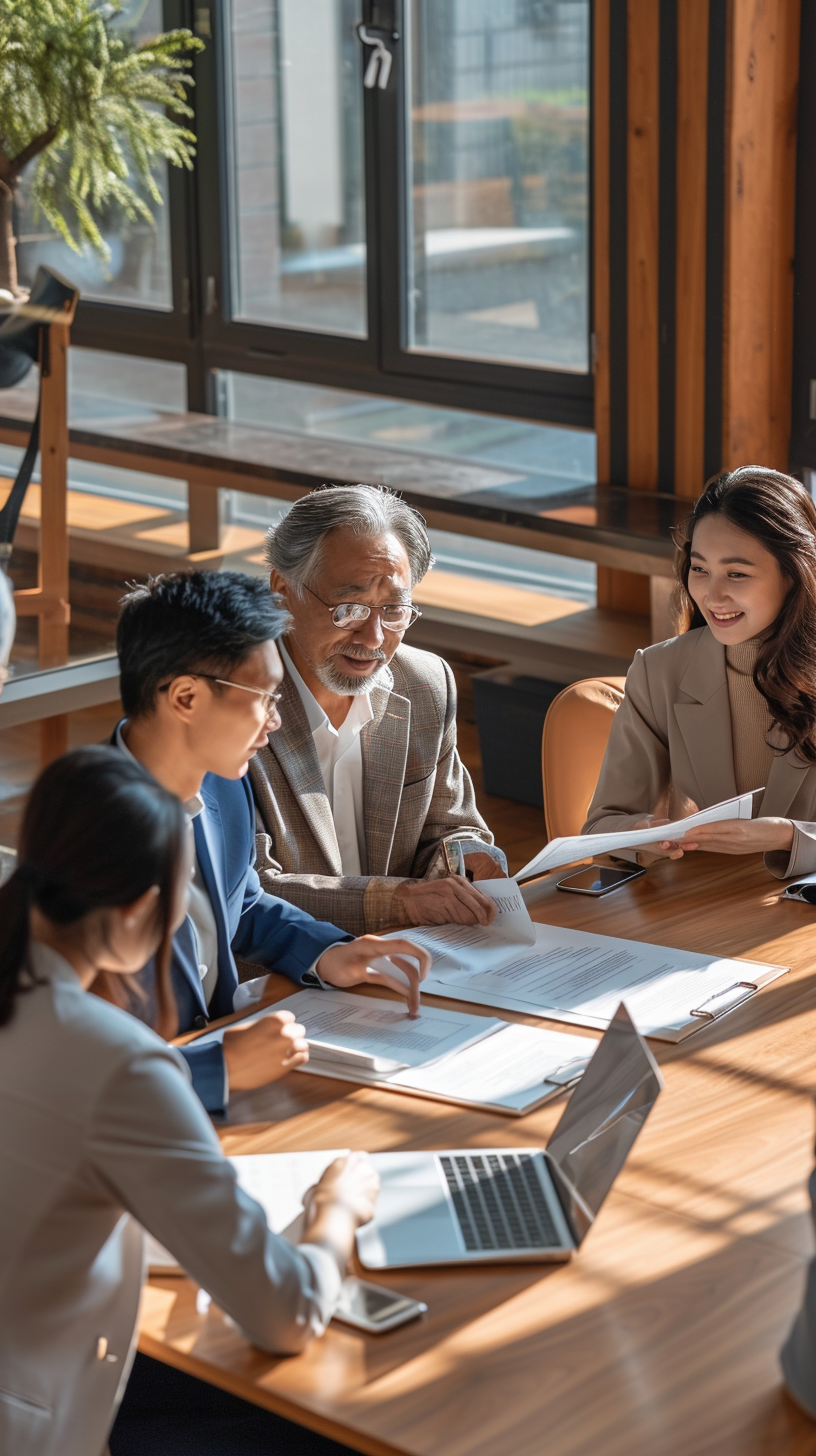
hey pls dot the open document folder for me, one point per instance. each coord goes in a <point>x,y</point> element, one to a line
<point>575,976</point>
<point>452,1056</point>
<point>585,846</point>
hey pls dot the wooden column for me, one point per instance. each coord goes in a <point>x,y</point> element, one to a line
<point>48,600</point>
<point>600,261</point>
<point>625,591</point>
<point>643,103</point>
<point>690,316</point>
<point>763,66</point>
<point>53,567</point>
<point>203,517</point>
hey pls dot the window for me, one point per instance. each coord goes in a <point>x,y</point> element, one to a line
<point>138,270</point>
<point>427,237</point>
<point>498,209</point>
<point>295,165</point>
<point>420,247</point>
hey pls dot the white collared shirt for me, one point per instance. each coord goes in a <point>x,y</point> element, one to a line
<point>340,756</point>
<point>199,906</point>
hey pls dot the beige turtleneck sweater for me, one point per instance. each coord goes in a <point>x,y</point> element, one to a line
<point>750,718</point>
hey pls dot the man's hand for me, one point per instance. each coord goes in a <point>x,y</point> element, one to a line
<point>350,964</point>
<point>263,1051</point>
<point>665,848</point>
<point>484,867</point>
<point>449,901</point>
<point>742,836</point>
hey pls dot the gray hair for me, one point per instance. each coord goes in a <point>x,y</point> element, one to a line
<point>294,546</point>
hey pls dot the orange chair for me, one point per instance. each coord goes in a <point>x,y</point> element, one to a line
<point>576,730</point>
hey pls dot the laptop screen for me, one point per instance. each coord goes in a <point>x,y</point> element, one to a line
<point>601,1121</point>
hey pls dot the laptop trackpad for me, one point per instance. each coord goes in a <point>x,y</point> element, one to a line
<point>413,1224</point>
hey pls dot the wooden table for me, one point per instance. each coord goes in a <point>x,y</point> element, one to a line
<point>662,1335</point>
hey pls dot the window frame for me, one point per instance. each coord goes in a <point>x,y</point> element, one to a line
<point>199,330</point>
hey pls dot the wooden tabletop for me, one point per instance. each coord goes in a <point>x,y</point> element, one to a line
<point>662,1335</point>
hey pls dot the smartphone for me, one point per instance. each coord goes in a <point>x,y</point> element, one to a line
<point>598,879</point>
<point>370,1307</point>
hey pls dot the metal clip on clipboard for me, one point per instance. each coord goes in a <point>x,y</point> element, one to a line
<point>725,1000</point>
<point>568,1072</point>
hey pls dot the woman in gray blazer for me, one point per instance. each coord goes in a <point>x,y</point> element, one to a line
<point>100,1132</point>
<point>728,706</point>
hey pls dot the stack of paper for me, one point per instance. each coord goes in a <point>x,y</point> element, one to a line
<point>453,1056</point>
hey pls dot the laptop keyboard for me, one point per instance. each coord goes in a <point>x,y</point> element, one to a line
<point>499,1201</point>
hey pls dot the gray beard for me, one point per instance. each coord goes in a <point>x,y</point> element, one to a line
<point>344,684</point>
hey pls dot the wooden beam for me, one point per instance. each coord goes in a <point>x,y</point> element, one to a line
<point>624,591</point>
<point>600,233</point>
<point>763,67</point>
<point>692,99</point>
<point>643,26</point>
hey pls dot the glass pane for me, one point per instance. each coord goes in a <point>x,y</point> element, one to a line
<point>499,132</point>
<point>518,457</point>
<point>138,270</point>
<point>104,388</point>
<point>296,164</point>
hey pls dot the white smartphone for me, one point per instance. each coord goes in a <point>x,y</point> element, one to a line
<point>370,1307</point>
<point>598,879</point>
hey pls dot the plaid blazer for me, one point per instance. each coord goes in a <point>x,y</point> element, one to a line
<point>416,789</point>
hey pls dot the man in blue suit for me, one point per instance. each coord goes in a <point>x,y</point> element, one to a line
<point>199,679</point>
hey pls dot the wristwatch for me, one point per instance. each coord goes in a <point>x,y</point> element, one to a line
<point>456,849</point>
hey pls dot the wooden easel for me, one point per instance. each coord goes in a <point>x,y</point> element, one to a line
<point>48,601</point>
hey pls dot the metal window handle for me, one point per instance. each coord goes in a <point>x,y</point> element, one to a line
<point>210,296</point>
<point>380,61</point>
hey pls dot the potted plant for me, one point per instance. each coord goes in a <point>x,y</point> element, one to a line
<point>87,111</point>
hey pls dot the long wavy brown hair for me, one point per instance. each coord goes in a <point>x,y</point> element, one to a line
<point>780,513</point>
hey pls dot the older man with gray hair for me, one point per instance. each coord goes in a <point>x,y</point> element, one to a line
<point>367,814</point>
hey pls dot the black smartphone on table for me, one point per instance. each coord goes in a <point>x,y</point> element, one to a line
<point>598,879</point>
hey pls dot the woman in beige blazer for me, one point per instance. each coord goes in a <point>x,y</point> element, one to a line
<point>101,1134</point>
<point>728,706</point>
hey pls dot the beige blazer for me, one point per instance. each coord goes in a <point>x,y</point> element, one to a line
<point>98,1122</point>
<point>417,793</point>
<point>670,751</point>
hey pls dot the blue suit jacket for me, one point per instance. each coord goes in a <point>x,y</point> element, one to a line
<point>250,924</point>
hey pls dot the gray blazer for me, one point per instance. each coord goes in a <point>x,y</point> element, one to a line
<point>417,794</point>
<point>670,751</point>
<point>98,1122</point>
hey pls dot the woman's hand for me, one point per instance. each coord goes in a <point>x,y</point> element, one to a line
<point>742,836</point>
<point>339,1203</point>
<point>665,848</point>
<point>264,1051</point>
<point>352,1182</point>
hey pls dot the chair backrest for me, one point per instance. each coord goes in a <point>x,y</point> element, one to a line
<point>576,730</point>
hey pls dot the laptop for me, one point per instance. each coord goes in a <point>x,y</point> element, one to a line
<point>471,1206</point>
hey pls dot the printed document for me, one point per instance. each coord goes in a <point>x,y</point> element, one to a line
<point>452,1056</point>
<point>575,976</point>
<point>585,846</point>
